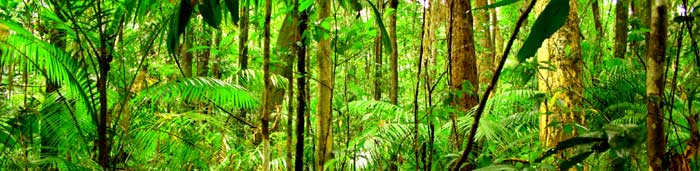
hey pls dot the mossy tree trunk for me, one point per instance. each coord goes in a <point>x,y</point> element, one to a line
<point>563,50</point>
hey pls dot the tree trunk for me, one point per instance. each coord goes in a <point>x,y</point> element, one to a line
<point>496,35</point>
<point>243,38</point>
<point>267,106</point>
<point>378,56</point>
<point>301,95</point>
<point>324,116</point>
<point>243,46</point>
<point>393,93</point>
<point>216,67</point>
<point>464,77</point>
<point>563,50</point>
<point>485,58</point>
<point>185,56</point>
<point>621,15</point>
<point>656,140</point>
<point>600,36</point>
<point>203,58</point>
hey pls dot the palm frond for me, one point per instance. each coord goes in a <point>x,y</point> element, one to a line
<point>199,89</point>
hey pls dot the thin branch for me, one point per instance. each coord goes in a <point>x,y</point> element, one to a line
<point>494,80</point>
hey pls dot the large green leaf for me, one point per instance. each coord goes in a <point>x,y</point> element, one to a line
<point>232,6</point>
<point>385,36</point>
<point>498,4</point>
<point>178,24</point>
<point>548,22</point>
<point>211,12</point>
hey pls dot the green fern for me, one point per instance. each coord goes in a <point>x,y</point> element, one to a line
<point>198,89</point>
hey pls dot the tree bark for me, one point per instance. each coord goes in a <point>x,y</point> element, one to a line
<point>464,77</point>
<point>186,64</point>
<point>378,56</point>
<point>496,35</point>
<point>324,116</point>
<point>203,58</point>
<point>563,50</point>
<point>600,36</point>
<point>656,140</point>
<point>243,38</point>
<point>267,106</point>
<point>301,95</point>
<point>393,93</point>
<point>481,28</point>
<point>621,15</point>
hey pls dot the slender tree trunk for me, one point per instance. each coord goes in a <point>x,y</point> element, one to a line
<point>216,67</point>
<point>600,36</point>
<point>243,46</point>
<point>563,49</point>
<point>267,106</point>
<point>203,58</point>
<point>481,28</point>
<point>243,37</point>
<point>496,35</point>
<point>186,64</point>
<point>378,57</point>
<point>656,54</point>
<point>104,58</point>
<point>393,93</point>
<point>463,66</point>
<point>621,15</point>
<point>301,95</point>
<point>325,92</point>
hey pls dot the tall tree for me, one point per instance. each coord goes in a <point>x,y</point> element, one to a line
<point>324,116</point>
<point>203,58</point>
<point>185,54</point>
<point>301,89</point>
<point>464,76</point>
<point>621,15</point>
<point>394,65</point>
<point>243,36</point>
<point>600,35</point>
<point>656,55</point>
<point>563,50</point>
<point>482,30</point>
<point>267,106</point>
<point>378,56</point>
<point>496,33</point>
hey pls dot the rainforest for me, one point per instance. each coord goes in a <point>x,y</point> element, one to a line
<point>314,85</point>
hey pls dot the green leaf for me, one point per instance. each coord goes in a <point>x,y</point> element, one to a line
<point>385,36</point>
<point>232,6</point>
<point>498,4</point>
<point>178,25</point>
<point>550,20</point>
<point>305,5</point>
<point>211,12</point>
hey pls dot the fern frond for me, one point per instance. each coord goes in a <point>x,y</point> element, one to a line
<point>199,89</point>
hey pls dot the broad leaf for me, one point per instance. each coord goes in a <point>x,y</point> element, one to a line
<point>385,36</point>
<point>550,20</point>
<point>178,24</point>
<point>232,6</point>
<point>498,4</point>
<point>305,4</point>
<point>211,12</point>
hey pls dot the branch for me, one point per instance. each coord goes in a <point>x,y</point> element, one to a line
<point>494,80</point>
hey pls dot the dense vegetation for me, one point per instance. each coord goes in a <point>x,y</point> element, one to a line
<point>349,85</point>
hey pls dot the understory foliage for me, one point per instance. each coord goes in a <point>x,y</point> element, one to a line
<point>162,117</point>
